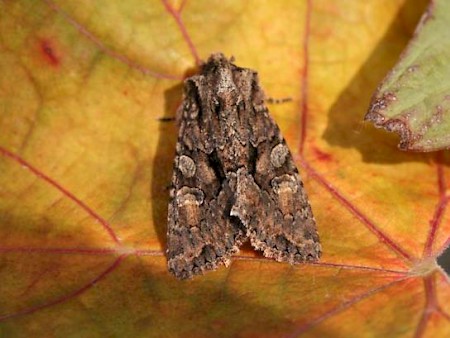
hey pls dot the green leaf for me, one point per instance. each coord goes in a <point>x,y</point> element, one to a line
<point>414,98</point>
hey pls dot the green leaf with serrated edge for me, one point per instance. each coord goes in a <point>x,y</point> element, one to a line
<point>414,98</point>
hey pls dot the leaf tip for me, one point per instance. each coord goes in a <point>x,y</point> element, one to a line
<point>379,104</point>
<point>375,114</point>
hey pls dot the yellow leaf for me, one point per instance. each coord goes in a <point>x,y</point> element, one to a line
<point>86,162</point>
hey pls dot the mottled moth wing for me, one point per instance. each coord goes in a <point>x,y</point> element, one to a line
<point>201,232</point>
<point>234,177</point>
<point>272,202</point>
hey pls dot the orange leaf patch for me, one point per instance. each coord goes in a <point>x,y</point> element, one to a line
<point>86,162</point>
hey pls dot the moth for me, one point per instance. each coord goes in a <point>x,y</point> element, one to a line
<point>234,178</point>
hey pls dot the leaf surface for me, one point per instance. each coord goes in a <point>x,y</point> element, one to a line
<point>86,163</point>
<point>414,99</point>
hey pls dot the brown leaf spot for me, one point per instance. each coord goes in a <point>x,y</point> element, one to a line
<point>377,105</point>
<point>401,128</point>
<point>322,156</point>
<point>48,52</point>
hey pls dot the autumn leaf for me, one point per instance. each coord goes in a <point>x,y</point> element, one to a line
<point>414,98</point>
<point>86,160</point>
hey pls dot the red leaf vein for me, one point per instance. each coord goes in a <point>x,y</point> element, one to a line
<point>176,14</point>
<point>69,296</point>
<point>63,190</point>
<point>108,51</point>
<point>304,78</point>
<point>440,208</point>
<point>342,307</point>
<point>356,212</point>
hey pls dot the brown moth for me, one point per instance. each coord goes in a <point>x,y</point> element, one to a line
<point>234,178</point>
